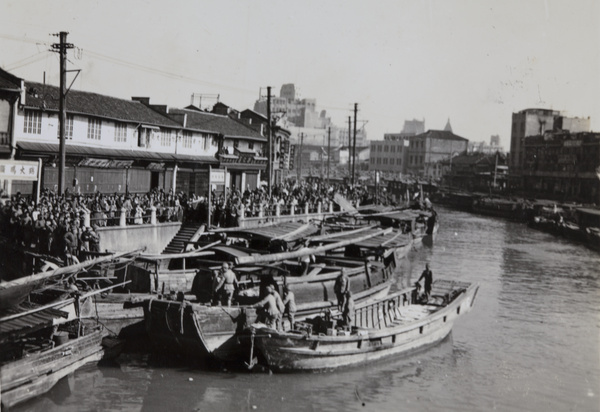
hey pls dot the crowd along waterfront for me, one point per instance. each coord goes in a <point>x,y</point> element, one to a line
<point>530,344</point>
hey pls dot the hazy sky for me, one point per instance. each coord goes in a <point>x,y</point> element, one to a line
<point>474,62</point>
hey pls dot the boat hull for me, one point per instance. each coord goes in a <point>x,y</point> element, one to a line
<point>199,330</point>
<point>37,373</point>
<point>290,351</point>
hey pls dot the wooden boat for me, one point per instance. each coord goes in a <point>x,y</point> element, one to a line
<point>16,291</point>
<point>394,325</point>
<point>419,223</point>
<point>390,247</point>
<point>41,345</point>
<point>199,329</point>
<point>498,207</point>
<point>272,238</point>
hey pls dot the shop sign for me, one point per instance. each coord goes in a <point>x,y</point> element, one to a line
<point>156,166</point>
<point>18,170</point>
<point>105,163</point>
<point>217,176</point>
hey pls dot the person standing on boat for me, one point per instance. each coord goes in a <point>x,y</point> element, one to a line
<point>427,276</point>
<point>306,259</point>
<point>348,310</point>
<point>341,286</point>
<point>229,283</point>
<point>289,302</point>
<point>270,307</point>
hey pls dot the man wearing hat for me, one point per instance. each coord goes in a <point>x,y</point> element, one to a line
<point>271,307</point>
<point>229,283</point>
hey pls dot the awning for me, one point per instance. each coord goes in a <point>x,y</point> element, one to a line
<point>34,149</point>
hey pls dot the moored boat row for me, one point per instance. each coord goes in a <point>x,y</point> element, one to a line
<point>176,302</point>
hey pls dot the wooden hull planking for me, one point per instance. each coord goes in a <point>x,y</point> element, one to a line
<point>296,352</point>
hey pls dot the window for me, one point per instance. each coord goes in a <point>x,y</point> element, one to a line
<point>393,149</point>
<point>165,137</point>
<point>120,132</point>
<point>251,145</point>
<point>398,161</point>
<point>33,122</point>
<point>68,128</point>
<point>187,140</point>
<point>94,129</point>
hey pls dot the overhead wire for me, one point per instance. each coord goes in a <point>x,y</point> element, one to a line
<point>138,66</point>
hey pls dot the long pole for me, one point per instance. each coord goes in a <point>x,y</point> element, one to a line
<point>495,170</point>
<point>300,157</point>
<point>354,144</point>
<point>62,110</point>
<point>322,161</point>
<point>328,152</point>
<point>209,203</point>
<point>270,140</point>
<point>349,147</point>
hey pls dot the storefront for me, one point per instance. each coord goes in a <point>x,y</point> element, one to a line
<point>91,170</point>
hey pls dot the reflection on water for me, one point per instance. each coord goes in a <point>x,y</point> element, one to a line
<point>531,343</point>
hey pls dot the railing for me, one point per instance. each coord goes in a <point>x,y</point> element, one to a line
<point>282,213</point>
<point>123,218</point>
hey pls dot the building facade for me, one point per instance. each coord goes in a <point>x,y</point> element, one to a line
<point>417,155</point>
<point>563,166</point>
<point>119,146</point>
<point>535,122</point>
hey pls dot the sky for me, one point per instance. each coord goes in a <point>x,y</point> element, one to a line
<point>474,62</point>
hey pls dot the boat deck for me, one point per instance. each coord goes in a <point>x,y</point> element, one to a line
<point>412,313</point>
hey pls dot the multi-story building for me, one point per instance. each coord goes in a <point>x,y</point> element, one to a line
<point>477,172</point>
<point>428,150</point>
<point>535,122</point>
<point>391,153</point>
<point>116,145</point>
<point>562,165</point>
<point>418,155</point>
<point>299,112</point>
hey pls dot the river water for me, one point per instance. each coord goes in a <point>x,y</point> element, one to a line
<point>531,343</point>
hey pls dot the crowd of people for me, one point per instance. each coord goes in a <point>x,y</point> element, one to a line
<point>64,226</point>
<point>68,224</point>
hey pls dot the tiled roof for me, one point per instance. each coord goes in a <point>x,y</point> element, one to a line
<point>92,104</point>
<point>215,123</point>
<point>442,135</point>
<point>8,81</point>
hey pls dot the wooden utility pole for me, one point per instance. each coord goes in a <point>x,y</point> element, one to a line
<point>62,116</point>
<point>354,144</point>
<point>328,152</point>
<point>270,140</point>
<point>300,157</point>
<point>349,147</point>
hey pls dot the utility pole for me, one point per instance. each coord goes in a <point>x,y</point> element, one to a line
<point>62,117</point>
<point>349,148</point>
<point>354,144</point>
<point>300,157</point>
<point>270,140</point>
<point>322,161</point>
<point>328,152</point>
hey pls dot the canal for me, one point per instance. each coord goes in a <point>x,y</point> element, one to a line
<point>531,343</point>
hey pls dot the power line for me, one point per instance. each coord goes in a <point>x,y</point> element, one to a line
<point>165,73</point>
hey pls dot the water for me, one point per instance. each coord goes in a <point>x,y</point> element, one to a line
<point>531,343</point>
